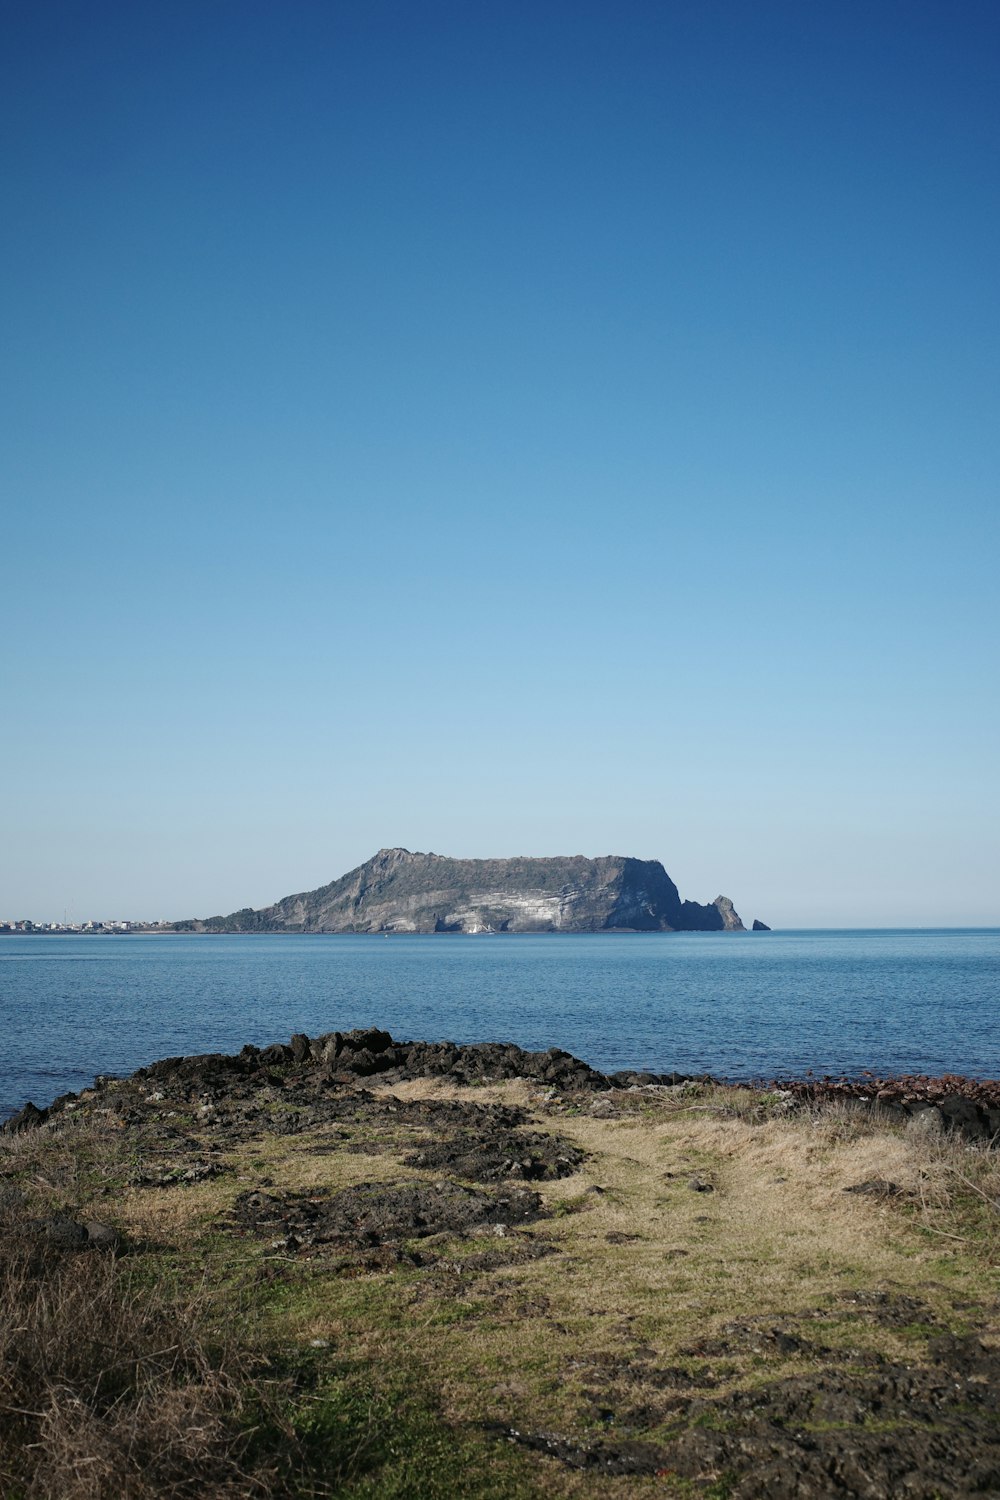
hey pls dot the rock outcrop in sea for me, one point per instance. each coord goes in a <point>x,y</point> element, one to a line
<point>400,891</point>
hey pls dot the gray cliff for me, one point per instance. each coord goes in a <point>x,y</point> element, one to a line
<point>397,891</point>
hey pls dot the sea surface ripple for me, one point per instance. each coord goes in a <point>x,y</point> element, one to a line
<point>740,1006</point>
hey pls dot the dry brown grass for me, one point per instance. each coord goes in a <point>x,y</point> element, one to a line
<point>110,1389</point>
<point>779,1238</point>
<point>111,1385</point>
<point>523,1091</point>
<point>118,1379</point>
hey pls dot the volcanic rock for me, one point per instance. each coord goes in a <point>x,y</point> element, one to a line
<point>400,891</point>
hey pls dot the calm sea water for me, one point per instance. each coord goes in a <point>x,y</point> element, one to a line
<point>736,1005</point>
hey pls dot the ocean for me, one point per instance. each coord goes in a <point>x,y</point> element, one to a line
<point>737,1005</point>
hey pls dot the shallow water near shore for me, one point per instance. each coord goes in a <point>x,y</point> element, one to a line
<point>740,1006</point>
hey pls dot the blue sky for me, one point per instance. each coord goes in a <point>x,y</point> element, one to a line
<point>501,428</point>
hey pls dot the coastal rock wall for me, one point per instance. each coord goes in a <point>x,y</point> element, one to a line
<point>926,1107</point>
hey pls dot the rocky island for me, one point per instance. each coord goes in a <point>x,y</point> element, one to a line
<point>400,891</point>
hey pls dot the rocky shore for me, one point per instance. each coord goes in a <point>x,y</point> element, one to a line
<point>950,1103</point>
<point>599,1283</point>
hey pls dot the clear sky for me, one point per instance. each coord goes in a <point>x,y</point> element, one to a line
<point>496,428</point>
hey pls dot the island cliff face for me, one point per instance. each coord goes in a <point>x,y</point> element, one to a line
<point>397,891</point>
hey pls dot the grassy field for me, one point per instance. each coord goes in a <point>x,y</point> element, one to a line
<point>728,1297</point>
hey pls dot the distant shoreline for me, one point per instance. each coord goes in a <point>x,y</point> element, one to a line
<point>279,932</point>
<point>601,932</point>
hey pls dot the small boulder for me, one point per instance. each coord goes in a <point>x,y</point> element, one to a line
<point>102,1236</point>
<point>301,1049</point>
<point>926,1123</point>
<point>328,1047</point>
<point>63,1232</point>
<point>363,1062</point>
<point>963,1115</point>
<point>276,1056</point>
<point>370,1039</point>
<point>876,1187</point>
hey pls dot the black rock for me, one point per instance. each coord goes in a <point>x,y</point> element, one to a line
<point>276,1056</point>
<point>301,1048</point>
<point>876,1187</point>
<point>64,1233</point>
<point>28,1118</point>
<point>374,1213</point>
<point>699,1185</point>
<point>625,1456</point>
<point>371,1039</point>
<point>484,1151</point>
<point>964,1116</point>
